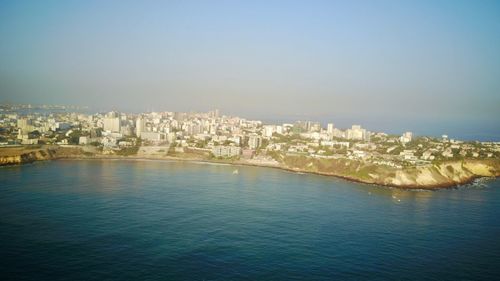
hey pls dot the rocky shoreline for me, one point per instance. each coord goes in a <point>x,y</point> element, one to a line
<point>440,176</point>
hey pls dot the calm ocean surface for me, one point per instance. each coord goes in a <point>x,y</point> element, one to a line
<point>159,220</point>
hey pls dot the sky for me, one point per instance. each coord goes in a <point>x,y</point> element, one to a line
<point>431,67</point>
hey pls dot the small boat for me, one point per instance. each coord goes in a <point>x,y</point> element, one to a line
<point>235,172</point>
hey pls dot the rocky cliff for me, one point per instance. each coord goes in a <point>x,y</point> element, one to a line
<point>445,174</point>
<point>21,157</point>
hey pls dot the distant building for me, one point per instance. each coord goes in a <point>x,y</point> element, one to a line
<point>359,154</point>
<point>235,139</point>
<point>140,125</point>
<point>427,155</point>
<point>338,133</point>
<point>269,130</point>
<point>192,129</point>
<point>279,130</point>
<point>62,126</point>
<point>335,143</point>
<point>254,141</point>
<point>219,139</point>
<point>408,154</point>
<point>329,128</point>
<point>212,129</point>
<point>357,133</point>
<point>447,153</point>
<point>126,130</point>
<point>111,122</point>
<point>406,137</point>
<point>24,124</point>
<point>226,151</point>
<point>153,136</point>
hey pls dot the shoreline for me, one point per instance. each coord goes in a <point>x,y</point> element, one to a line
<point>438,186</point>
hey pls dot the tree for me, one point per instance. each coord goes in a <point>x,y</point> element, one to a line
<point>74,137</point>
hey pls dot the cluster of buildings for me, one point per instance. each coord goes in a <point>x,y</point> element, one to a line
<point>230,137</point>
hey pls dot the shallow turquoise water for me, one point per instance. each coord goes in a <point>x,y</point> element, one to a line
<point>154,220</point>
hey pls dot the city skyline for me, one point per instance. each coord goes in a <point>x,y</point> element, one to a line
<point>428,66</point>
<point>340,122</point>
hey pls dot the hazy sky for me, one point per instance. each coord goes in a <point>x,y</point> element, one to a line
<point>427,66</point>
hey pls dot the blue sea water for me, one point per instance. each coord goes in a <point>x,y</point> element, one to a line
<point>160,220</point>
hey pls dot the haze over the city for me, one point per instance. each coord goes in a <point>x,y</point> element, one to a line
<point>430,66</point>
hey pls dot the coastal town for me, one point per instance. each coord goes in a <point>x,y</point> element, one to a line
<point>213,136</point>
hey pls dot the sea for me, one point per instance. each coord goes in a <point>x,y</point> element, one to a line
<point>167,220</point>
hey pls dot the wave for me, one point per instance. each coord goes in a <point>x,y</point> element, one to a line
<point>479,183</point>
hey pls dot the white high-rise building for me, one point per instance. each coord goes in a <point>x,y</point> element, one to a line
<point>24,124</point>
<point>140,125</point>
<point>269,130</point>
<point>329,128</point>
<point>226,151</point>
<point>279,130</point>
<point>254,141</point>
<point>357,133</point>
<point>111,122</point>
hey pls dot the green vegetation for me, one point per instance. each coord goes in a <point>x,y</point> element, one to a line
<point>128,151</point>
<point>263,145</point>
<point>201,143</point>
<point>292,138</point>
<point>276,155</point>
<point>74,137</point>
<point>171,150</point>
<point>339,167</point>
<point>450,169</point>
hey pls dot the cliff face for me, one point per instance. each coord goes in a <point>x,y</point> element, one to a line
<point>444,174</point>
<point>447,174</point>
<point>27,157</point>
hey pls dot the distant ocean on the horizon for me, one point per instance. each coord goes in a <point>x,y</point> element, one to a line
<point>467,130</point>
<point>162,220</point>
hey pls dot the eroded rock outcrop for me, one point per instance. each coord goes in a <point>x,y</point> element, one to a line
<point>23,157</point>
<point>445,174</point>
